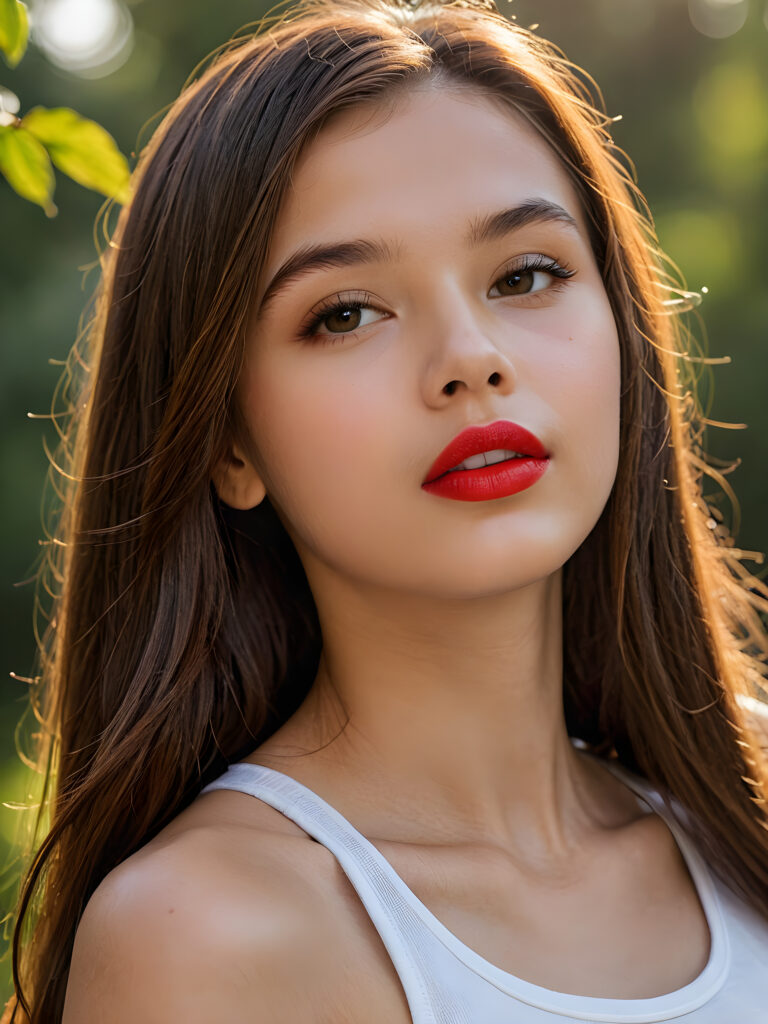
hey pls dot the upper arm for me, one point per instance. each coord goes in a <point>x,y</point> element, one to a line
<point>157,944</point>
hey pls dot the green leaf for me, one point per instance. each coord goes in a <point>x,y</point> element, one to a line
<point>14,30</point>
<point>82,149</point>
<point>26,166</point>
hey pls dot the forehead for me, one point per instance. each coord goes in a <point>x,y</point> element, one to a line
<point>418,167</point>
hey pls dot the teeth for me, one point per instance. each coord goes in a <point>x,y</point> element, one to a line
<point>487,459</point>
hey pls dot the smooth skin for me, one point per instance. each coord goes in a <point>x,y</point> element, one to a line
<point>441,619</point>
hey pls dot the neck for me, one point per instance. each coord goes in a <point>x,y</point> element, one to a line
<point>454,719</point>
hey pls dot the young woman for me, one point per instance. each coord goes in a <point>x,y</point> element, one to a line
<point>396,672</point>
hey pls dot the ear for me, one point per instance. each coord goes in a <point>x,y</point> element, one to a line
<point>237,480</point>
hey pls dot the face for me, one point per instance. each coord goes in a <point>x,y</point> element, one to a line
<point>357,376</point>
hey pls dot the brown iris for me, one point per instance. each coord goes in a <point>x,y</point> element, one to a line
<point>345,320</point>
<point>519,282</point>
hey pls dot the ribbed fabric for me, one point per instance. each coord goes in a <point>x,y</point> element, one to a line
<point>446,982</point>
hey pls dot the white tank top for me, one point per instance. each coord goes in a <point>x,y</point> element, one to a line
<point>446,982</point>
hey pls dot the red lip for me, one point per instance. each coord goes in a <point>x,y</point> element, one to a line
<point>474,440</point>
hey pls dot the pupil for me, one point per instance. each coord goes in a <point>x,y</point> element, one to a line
<point>520,277</point>
<point>342,318</point>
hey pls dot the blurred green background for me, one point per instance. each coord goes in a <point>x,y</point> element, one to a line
<point>690,79</point>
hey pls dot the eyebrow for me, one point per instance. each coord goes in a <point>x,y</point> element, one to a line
<point>481,230</point>
<point>496,225</point>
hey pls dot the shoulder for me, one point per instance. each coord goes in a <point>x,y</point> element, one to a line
<point>222,912</point>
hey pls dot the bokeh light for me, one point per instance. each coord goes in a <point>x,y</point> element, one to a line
<point>718,18</point>
<point>9,105</point>
<point>706,243</point>
<point>90,38</point>
<point>730,105</point>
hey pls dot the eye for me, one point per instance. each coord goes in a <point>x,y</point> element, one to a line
<point>344,318</point>
<point>341,315</point>
<point>531,275</point>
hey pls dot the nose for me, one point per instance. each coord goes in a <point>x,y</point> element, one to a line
<point>462,356</point>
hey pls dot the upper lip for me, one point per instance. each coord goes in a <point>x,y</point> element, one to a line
<point>487,438</point>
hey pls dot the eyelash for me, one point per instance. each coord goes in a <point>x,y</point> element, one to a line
<point>359,300</point>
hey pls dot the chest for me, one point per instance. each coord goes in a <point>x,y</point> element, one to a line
<point>632,928</point>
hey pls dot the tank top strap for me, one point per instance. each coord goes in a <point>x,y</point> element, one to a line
<point>380,889</point>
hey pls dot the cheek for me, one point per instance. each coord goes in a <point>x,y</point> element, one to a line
<point>597,418</point>
<point>316,431</point>
<point>584,386</point>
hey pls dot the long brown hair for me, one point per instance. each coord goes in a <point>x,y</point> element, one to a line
<point>182,633</point>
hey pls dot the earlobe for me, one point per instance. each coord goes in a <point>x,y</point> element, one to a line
<point>237,481</point>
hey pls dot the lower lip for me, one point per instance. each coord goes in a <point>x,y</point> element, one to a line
<point>488,482</point>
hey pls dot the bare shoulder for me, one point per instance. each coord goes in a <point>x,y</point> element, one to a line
<point>222,916</point>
